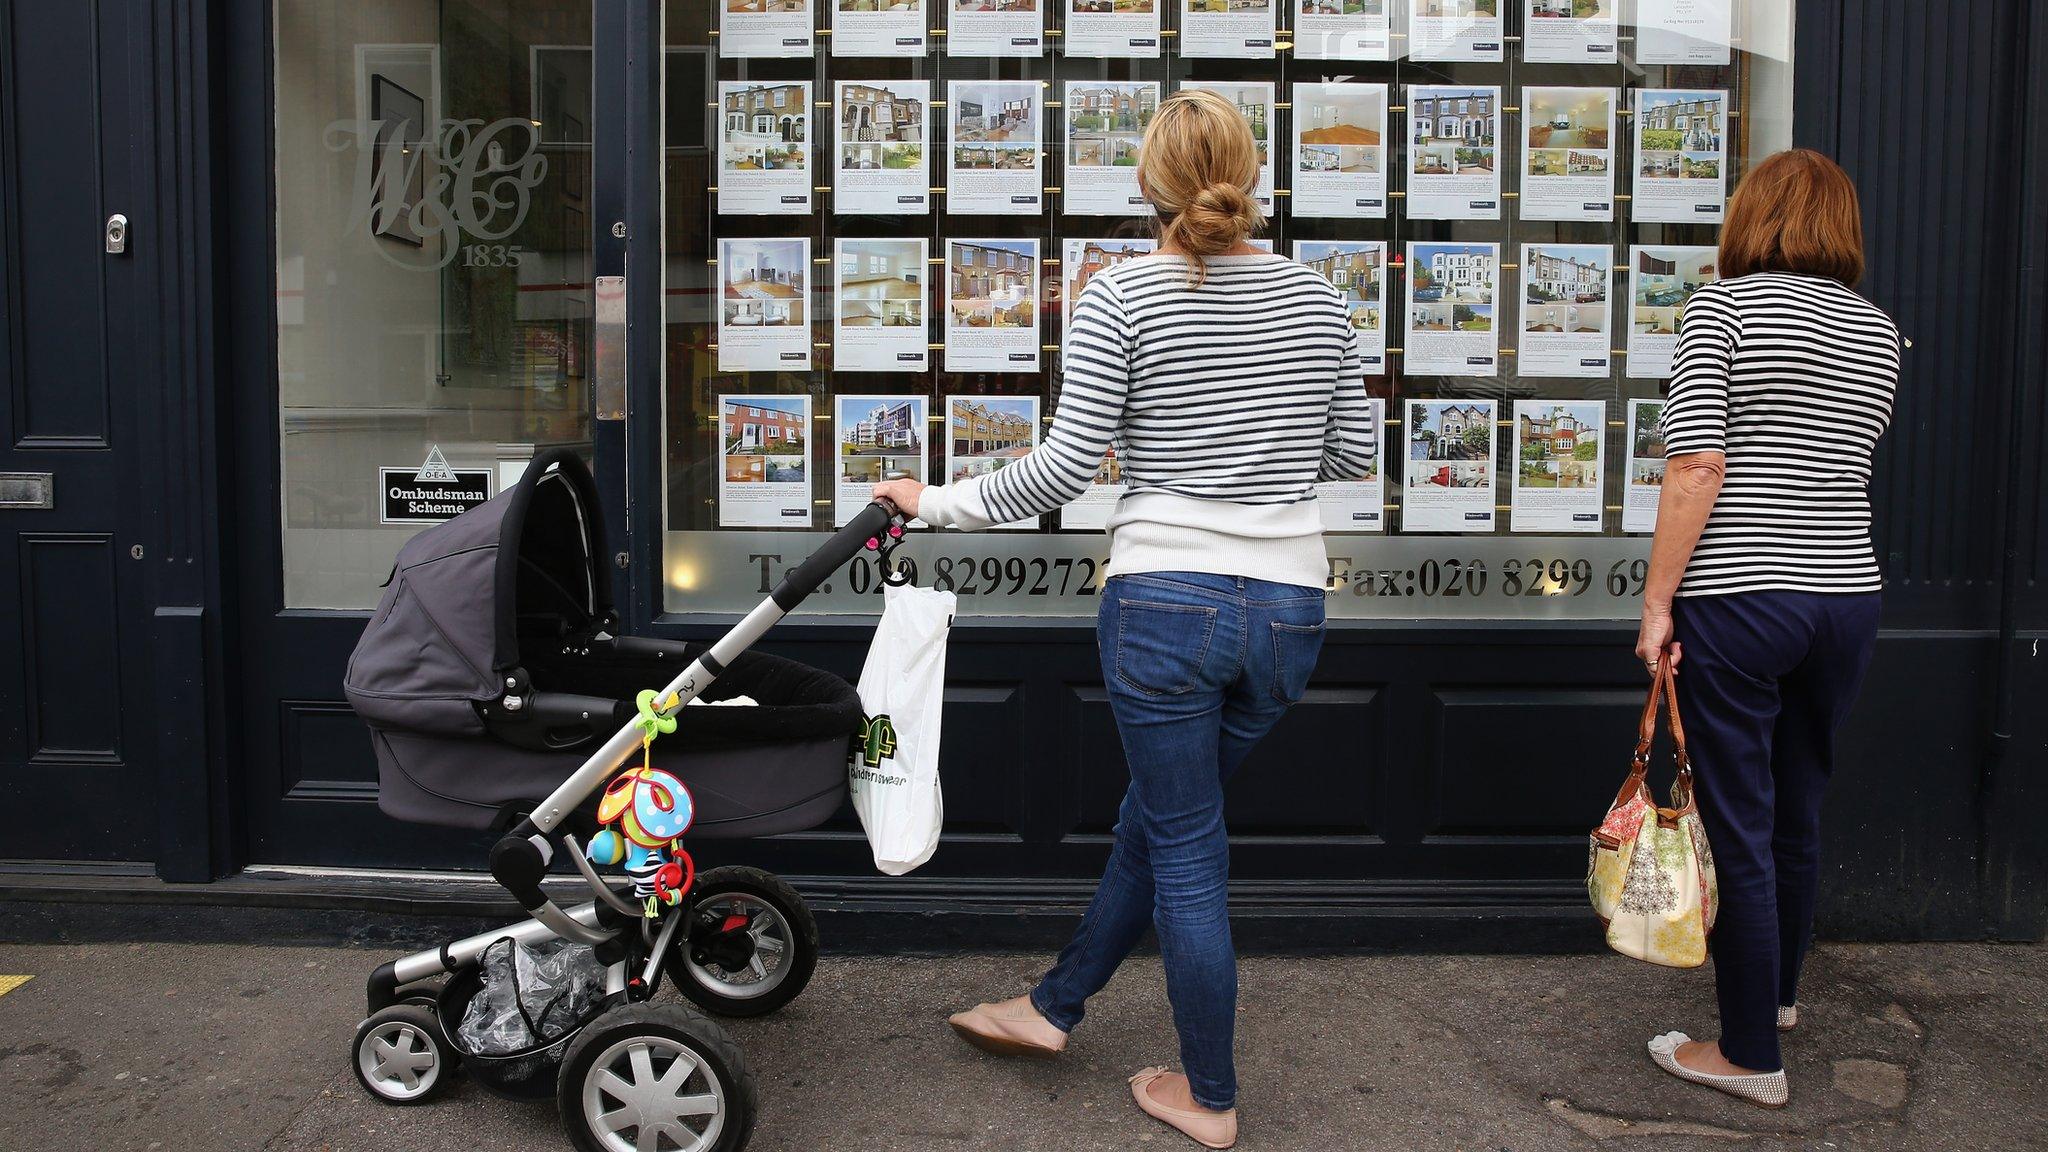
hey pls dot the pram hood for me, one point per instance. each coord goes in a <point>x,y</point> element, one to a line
<point>446,633</point>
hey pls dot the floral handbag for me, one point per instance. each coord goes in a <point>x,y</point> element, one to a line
<point>1651,873</point>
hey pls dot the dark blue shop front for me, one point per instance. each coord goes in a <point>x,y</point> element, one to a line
<point>281,284</point>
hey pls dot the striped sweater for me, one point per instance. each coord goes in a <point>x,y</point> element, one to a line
<point>1792,377</point>
<point>1227,403</point>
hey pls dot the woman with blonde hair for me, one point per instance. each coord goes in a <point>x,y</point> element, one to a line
<point>1763,585</point>
<point>1229,383</point>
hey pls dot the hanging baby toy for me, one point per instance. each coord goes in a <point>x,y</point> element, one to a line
<point>652,810</point>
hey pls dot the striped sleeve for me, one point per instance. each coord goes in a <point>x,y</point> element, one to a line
<point>1349,445</point>
<point>1696,416</point>
<point>1096,381</point>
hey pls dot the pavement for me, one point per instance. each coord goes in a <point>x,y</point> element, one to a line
<point>1927,1047</point>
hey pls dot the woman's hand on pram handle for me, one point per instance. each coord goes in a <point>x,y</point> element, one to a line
<point>903,494</point>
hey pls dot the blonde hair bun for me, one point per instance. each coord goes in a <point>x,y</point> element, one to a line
<point>1218,219</point>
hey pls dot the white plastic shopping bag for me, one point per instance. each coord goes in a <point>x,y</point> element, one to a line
<point>894,770</point>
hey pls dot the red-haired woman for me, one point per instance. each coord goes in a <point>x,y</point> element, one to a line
<point>1763,586</point>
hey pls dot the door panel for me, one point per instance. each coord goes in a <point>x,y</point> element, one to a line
<point>74,706</point>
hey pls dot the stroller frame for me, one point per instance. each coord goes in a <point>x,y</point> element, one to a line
<point>520,859</point>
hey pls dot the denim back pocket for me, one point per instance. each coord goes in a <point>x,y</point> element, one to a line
<point>1294,658</point>
<point>1160,648</point>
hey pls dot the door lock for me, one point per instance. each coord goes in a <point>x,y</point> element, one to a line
<point>117,234</point>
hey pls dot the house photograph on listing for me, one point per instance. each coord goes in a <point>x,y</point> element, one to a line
<point>1449,430</point>
<point>1453,131</point>
<point>1087,257</point>
<point>1452,273</point>
<point>763,283</point>
<point>1665,278</point>
<point>880,126</point>
<point>881,284</point>
<point>1354,268</point>
<point>1106,122</point>
<point>764,127</point>
<point>990,283</point>
<point>988,432</point>
<point>1340,127</point>
<point>763,424</point>
<point>1559,445</point>
<point>880,436</point>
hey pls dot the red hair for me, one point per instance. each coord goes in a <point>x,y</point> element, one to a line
<point>1795,212</point>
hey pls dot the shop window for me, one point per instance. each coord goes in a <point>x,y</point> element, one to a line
<point>1521,457</point>
<point>428,343</point>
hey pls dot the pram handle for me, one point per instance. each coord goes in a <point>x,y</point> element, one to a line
<point>876,521</point>
<point>520,859</point>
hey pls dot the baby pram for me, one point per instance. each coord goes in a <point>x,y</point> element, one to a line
<point>499,695</point>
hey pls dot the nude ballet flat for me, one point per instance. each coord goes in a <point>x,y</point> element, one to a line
<point>1011,1028</point>
<point>1763,1089</point>
<point>1788,1017</point>
<point>1209,1129</point>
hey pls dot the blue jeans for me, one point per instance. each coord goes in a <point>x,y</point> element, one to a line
<point>1764,684</point>
<point>1198,668</point>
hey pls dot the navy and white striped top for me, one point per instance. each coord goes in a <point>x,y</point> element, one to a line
<point>1792,377</point>
<point>1227,403</point>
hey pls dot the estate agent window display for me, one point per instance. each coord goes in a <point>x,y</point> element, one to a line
<point>1516,212</point>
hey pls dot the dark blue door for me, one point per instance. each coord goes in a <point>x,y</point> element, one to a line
<point>77,770</point>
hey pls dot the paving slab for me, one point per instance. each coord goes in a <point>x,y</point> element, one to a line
<point>1928,1048</point>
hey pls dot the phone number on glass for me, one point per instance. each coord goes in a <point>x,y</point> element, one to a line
<point>970,575</point>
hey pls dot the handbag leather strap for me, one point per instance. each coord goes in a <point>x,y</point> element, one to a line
<point>1663,690</point>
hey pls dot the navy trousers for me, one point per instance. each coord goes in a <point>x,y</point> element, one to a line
<point>1764,681</point>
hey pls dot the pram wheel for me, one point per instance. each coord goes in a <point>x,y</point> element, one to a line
<point>656,1076</point>
<point>400,1055</point>
<point>753,944</point>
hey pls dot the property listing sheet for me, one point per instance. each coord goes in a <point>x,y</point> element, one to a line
<point>1645,481</point>
<point>1558,466</point>
<point>1112,28</point>
<point>1447,483</point>
<point>1106,120</point>
<point>1254,102</point>
<point>1091,510</point>
<point>1452,297</point>
<point>1453,30</point>
<point>875,438</point>
<point>992,305</point>
<point>764,28</point>
<point>995,28</point>
<point>1358,270</point>
<point>1359,505</point>
<point>987,433</point>
<point>1567,320</point>
<point>1453,152</point>
<point>879,147</point>
<point>994,147</point>
<point>1340,150</point>
<point>764,461</point>
<point>1082,259</point>
<point>764,318</point>
<point>1684,31</point>
<point>1569,31</point>
<point>1343,30</point>
<point>879,28</point>
<point>1227,29</point>
<point>764,164</point>
<point>879,295</point>
<point>1568,154</point>
<point>1661,278</point>
<point>1681,156</point>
